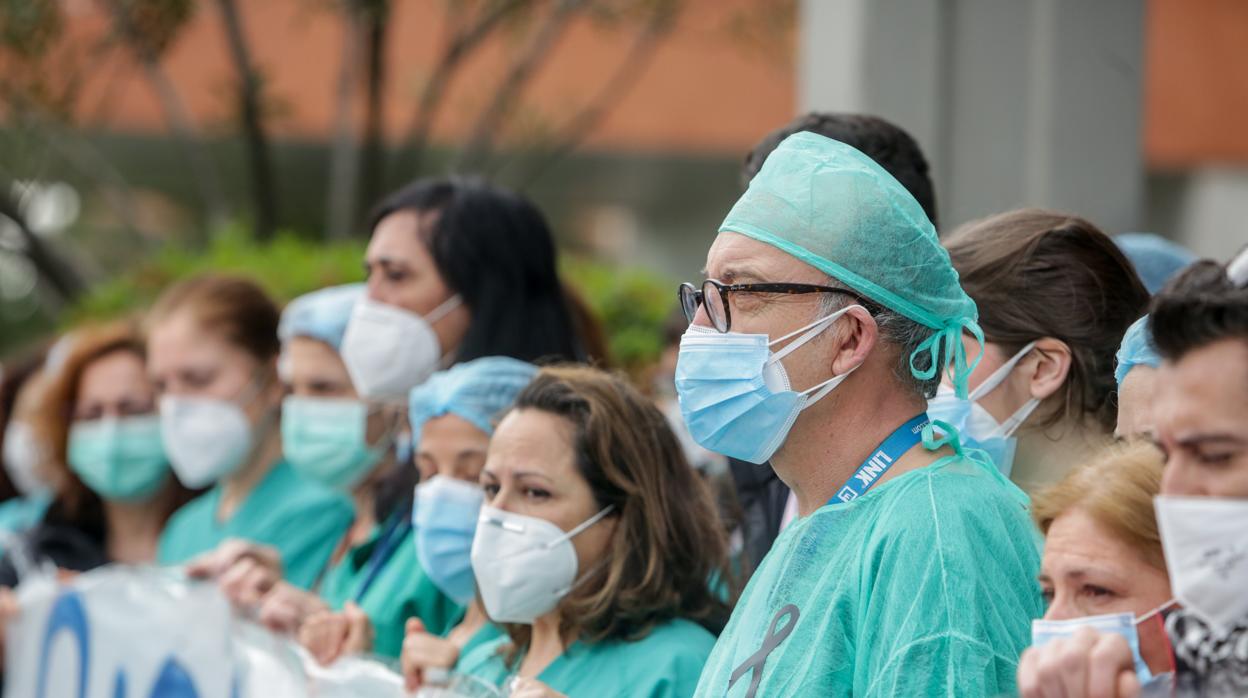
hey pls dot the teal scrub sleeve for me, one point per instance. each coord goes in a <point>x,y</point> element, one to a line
<point>306,540</point>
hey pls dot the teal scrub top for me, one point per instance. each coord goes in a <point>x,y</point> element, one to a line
<point>923,586</point>
<point>664,664</point>
<point>302,519</point>
<point>399,590</point>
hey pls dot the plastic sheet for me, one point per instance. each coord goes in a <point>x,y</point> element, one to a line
<point>127,632</point>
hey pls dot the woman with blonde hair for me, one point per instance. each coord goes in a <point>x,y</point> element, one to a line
<point>1102,550</point>
<point>97,414</point>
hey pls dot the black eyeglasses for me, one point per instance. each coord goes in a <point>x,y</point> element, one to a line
<point>715,296</point>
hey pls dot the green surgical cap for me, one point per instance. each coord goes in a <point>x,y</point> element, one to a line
<point>834,208</point>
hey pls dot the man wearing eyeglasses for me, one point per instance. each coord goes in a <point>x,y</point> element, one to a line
<point>830,316</point>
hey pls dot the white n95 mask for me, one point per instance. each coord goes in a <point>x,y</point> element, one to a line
<point>1207,556</point>
<point>388,350</point>
<point>524,565</point>
<point>22,456</point>
<point>205,438</point>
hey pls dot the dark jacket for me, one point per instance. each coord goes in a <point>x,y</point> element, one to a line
<point>70,546</point>
<point>762,496</point>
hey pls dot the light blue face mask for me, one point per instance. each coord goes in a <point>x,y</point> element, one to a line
<point>734,392</point>
<point>444,517</point>
<point>122,459</point>
<point>1124,624</point>
<point>326,440</point>
<point>976,427</point>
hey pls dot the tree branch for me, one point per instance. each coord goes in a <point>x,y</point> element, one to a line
<point>264,190</point>
<point>634,64</point>
<point>344,160</point>
<point>512,85</point>
<point>461,44</point>
<point>373,173</point>
<point>176,115</point>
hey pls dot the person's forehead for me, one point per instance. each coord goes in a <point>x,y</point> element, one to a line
<point>531,440</point>
<point>311,354</point>
<point>734,255</point>
<point>183,339</point>
<point>1076,539</point>
<point>1209,385</point>
<point>113,373</point>
<point>395,234</point>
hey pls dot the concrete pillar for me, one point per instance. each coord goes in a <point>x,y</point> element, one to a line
<point>1016,102</point>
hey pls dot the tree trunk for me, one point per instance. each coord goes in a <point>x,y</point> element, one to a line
<point>344,162</point>
<point>179,119</point>
<point>373,167</point>
<point>259,156</point>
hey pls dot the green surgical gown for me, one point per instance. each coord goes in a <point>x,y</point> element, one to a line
<point>923,586</point>
<point>664,664</point>
<point>302,519</point>
<point>400,590</point>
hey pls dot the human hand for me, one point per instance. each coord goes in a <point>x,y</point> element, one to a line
<point>329,635</point>
<point>1087,664</point>
<point>285,608</point>
<point>422,651</point>
<point>217,561</point>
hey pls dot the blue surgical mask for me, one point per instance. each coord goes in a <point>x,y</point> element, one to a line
<point>444,517</point>
<point>734,392</point>
<point>1124,624</point>
<point>326,440</point>
<point>121,459</point>
<point>976,427</point>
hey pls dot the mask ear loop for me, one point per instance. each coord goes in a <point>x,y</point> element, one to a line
<point>810,332</point>
<point>584,525</point>
<point>438,313</point>
<point>576,532</point>
<point>998,376</point>
<point>444,309</point>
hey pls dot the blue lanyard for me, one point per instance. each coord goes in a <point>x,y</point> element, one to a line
<point>873,468</point>
<point>396,529</point>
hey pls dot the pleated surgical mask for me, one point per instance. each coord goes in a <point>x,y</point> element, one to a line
<point>734,392</point>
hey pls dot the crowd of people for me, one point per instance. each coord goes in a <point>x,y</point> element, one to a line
<point>875,460</point>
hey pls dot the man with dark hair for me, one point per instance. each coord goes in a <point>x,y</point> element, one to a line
<point>765,501</point>
<point>1199,324</point>
<point>885,143</point>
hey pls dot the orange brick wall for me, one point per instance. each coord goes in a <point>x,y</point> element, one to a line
<point>703,92</point>
<point>1196,94</point>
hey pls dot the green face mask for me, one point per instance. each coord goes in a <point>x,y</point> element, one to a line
<point>120,459</point>
<point>326,440</point>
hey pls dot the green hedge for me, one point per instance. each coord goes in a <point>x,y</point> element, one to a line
<point>287,267</point>
<point>632,303</point>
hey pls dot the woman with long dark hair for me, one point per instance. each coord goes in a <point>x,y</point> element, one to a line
<point>457,270</point>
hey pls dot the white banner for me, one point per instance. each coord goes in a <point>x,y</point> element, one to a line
<point>121,632</point>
